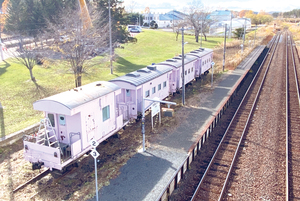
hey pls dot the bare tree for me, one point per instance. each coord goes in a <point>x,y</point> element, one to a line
<point>198,18</point>
<point>79,43</point>
<point>177,27</point>
<point>131,6</point>
<point>28,55</point>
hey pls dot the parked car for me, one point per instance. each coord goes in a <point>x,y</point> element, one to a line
<point>134,27</point>
<point>133,30</point>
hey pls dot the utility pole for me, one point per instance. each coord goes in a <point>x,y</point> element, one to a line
<point>1,50</point>
<point>110,42</point>
<point>244,36</point>
<point>230,30</point>
<point>173,20</point>
<point>182,54</point>
<point>224,52</point>
<point>255,34</point>
<point>201,32</point>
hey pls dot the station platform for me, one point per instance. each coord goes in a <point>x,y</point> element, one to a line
<point>146,174</point>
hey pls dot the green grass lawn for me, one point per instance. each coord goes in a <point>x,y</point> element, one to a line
<point>18,92</point>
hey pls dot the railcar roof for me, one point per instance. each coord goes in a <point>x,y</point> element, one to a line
<point>80,95</point>
<point>200,52</point>
<point>144,75</point>
<point>177,61</point>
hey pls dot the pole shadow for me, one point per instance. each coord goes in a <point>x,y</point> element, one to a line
<point>2,126</point>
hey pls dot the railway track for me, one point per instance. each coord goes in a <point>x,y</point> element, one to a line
<point>32,180</point>
<point>57,175</point>
<point>292,123</point>
<point>215,178</point>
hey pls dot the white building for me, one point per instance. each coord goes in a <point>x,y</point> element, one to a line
<point>164,20</point>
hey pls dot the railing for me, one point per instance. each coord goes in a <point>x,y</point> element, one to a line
<point>65,148</point>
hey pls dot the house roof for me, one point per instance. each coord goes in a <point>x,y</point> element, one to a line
<point>220,14</point>
<point>167,17</point>
<point>144,75</point>
<point>74,98</point>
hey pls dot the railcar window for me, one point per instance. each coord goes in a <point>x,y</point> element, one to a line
<point>159,87</point>
<point>192,69</point>
<point>51,118</point>
<point>165,84</point>
<point>105,113</point>
<point>147,93</point>
<point>189,71</point>
<point>62,120</point>
<point>153,90</point>
<point>127,92</point>
<point>185,72</point>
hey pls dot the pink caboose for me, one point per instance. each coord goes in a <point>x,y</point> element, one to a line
<point>72,119</point>
<point>190,62</point>
<point>149,82</point>
<point>203,64</point>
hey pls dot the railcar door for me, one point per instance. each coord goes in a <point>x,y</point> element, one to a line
<point>62,129</point>
<point>90,127</point>
<point>139,100</point>
<point>53,121</point>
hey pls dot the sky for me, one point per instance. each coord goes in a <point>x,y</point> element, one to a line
<point>163,6</point>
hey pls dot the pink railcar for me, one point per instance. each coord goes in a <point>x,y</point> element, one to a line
<point>205,57</point>
<point>100,109</point>
<point>149,82</point>
<point>72,119</point>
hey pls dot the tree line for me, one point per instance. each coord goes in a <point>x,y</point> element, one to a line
<point>59,26</point>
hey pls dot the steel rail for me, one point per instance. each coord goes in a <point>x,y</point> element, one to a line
<point>287,123</point>
<point>246,126</point>
<point>289,41</point>
<point>40,175</point>
<point>215,153</point>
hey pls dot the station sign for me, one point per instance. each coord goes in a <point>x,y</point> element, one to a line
<point>155,108</point>
<point>94,153</point>
<point>94,143</point>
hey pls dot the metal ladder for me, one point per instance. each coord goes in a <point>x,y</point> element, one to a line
<point>43,134</point>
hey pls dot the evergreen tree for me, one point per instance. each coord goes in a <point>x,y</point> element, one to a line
<point>33,18</point>
<point>119,20</point>
<point>29,17</point>
<point>135,19</point>
<point>52,9</point>
<point>15,21</point>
